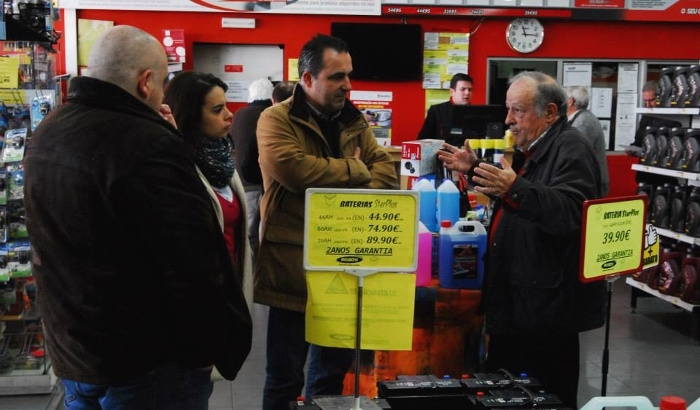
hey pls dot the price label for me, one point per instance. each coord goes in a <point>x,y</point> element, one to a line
<point>612,239</point>
<point>361,228</point>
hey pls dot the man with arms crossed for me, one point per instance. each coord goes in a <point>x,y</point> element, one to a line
<point>316,138</point>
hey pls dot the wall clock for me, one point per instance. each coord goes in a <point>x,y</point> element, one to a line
<point>525,35</point>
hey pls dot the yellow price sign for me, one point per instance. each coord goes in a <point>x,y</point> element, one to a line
<point>612,237</point>
<point>361,229</point>
<point>387,314</point>
<point>9,67</point>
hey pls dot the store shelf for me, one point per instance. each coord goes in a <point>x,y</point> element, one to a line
<point>691,116</point>
<point>669,111</point>
<point>16,384</point>
<point>688,117</point>
<point>667,233</point>
<point>28,315</point>
<point>670,299</point>
<point>24,366</point>
<point>692,177</point>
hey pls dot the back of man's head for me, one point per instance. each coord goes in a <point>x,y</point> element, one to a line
<point>260,89</point>
<point>122,53</point>
<point>580,96</point>
<point>283,90</point>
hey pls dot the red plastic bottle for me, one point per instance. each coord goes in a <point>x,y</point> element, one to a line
<point>672,403</point>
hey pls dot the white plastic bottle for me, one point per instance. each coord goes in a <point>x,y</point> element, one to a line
<point>428,203</point>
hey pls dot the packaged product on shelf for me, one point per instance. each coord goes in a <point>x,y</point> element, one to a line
<point>19,261</point>
<point>13,149</point>
<point>3,186</point>
<point>41,106</point>
<point>15,181</point>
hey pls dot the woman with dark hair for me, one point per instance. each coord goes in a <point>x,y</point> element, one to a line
<point>198,104</point>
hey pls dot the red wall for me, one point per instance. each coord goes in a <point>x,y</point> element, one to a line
<point>563,39</point>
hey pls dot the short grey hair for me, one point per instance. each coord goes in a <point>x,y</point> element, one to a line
<point>649,86</point>
<point>580,96</point>
<point>548,91</point>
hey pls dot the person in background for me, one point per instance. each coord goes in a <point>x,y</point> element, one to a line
<point>245,120</point>
<point>198,104</point>
<point>282,91</point>
<point>649,101</point>
<point>585,121</point>
<point>137,294</point>
<point>439,117</point>
<point>534,304</point>
<point>649,94</point>
<point>316,138</point>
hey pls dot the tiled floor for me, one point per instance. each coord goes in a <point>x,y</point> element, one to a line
<point>651,353</point>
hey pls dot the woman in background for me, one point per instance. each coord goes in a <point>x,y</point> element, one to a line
<point>198,104</point>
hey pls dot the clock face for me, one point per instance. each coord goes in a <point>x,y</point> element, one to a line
<point>525,35</point>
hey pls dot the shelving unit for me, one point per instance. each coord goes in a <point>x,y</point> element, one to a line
<point>686,116</point>
<point>693,178</point>
<point>25,367</point>
<point>690,117</point>
<point>667,233</point>
<point>675,300</point>
<point>643,287</point>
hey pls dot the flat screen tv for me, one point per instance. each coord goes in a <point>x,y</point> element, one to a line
<point>383,52</point>
<point>476,122</point>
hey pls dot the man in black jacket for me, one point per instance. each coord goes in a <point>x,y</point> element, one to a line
<point>533,301</point>
<point>439,118</point>
<point>242,133</point>
<point>135,285</point>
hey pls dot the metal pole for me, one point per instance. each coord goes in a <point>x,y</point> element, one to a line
<point>606,352</point>
<point>358,338</point>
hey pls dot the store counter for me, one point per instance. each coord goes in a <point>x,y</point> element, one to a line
<point>446,341</point>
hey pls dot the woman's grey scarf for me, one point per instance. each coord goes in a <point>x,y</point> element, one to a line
<point>213,157</point>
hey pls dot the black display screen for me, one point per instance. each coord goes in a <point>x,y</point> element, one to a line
<point>475,122</point>
<point>383,52</point>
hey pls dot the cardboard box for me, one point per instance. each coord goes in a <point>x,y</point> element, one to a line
<point>419,157</point>
<point>406,182</point>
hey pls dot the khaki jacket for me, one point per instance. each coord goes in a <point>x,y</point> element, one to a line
<point>294,156</point>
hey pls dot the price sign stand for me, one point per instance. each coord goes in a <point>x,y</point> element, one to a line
<point>360,232</point>
<point>612,243</point>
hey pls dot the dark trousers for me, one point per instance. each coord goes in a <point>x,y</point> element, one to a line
<point>287,350</point>
<point>553,360</point>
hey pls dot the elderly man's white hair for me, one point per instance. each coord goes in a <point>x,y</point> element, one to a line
<point>122,53</point>
<point>580,96</point>
<point>260,89</point>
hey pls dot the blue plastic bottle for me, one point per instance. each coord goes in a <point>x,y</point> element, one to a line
<point>428,203</point>
<point>448,202</point>
<point>462,248</point>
